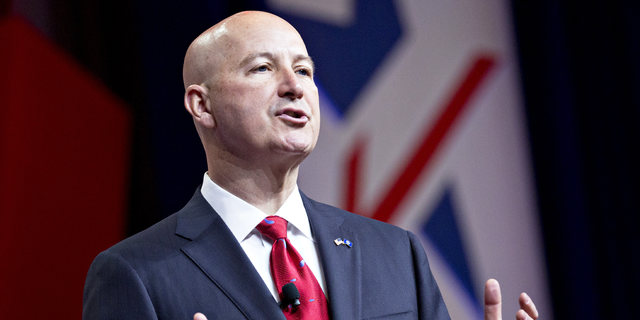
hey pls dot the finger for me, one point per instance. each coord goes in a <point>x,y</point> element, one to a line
<point>492,300</point>
<point>528,306</point>
<point>199,316</point>
<point>522,315</point>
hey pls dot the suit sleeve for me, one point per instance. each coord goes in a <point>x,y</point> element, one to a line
<point>430,302</point>
<point>113,290</point>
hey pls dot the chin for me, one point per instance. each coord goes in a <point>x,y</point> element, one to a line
<point>297,144</point>
<point>297,151</point>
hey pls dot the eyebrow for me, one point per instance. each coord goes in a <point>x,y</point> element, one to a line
<point>271,56</point>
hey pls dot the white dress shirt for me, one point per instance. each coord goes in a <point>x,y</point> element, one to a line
<point>242,218</point>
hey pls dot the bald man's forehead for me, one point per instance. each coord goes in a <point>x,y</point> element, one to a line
<point>233,40</point>
<point>238,42</point>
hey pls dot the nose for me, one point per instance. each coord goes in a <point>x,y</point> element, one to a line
<point>290,86</point>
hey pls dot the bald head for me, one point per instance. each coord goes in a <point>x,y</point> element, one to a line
<point>207,52</point>
<point>249,86</point>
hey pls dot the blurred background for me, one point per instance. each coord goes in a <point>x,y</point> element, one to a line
<point>504,134</point>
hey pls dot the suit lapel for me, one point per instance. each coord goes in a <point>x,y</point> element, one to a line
<point>341,264</point>
<point>219,255</point>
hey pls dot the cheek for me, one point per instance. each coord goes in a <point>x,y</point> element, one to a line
<point>248,98</point>
<point>314,105</point>
<point>234,101</point>
<point>313,99</point>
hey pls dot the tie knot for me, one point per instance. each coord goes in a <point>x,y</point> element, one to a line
<point>273,227</point>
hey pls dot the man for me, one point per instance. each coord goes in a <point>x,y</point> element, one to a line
<point>250,90</point>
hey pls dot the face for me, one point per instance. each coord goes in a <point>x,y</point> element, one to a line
<point>263,97</point>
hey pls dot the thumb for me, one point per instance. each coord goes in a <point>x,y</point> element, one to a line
<point>199,316</point>
<point>492,300</point>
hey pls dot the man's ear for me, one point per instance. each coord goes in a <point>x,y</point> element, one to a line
<point>196,101</point>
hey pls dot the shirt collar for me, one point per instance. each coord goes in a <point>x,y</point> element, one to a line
<point>241,217</point>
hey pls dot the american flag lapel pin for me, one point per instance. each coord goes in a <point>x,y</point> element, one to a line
<point>340,241</point>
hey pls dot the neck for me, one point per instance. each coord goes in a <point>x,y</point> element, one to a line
<point>264,187</point>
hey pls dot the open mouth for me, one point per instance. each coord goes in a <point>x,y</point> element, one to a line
<point>292,115</point>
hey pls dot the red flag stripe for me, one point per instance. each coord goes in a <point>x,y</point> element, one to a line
<point>433,138</point>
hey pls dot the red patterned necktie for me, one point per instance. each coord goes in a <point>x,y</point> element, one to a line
<point>287,266</point>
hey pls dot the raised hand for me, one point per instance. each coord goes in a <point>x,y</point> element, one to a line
<point>493,303</point>
<point>527,308</point>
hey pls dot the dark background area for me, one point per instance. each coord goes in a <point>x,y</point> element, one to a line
<point>580,67</point>
<point>580,64</point>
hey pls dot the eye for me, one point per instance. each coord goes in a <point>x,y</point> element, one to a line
<point>304,72</point>
<point>261,68</point>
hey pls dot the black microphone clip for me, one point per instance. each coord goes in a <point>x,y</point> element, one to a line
<point>290,296</point>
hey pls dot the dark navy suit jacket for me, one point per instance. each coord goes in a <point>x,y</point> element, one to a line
<point>190,262</point>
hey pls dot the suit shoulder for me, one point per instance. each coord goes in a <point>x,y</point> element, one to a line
<point>160,234</point>
<point>196,215</point>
